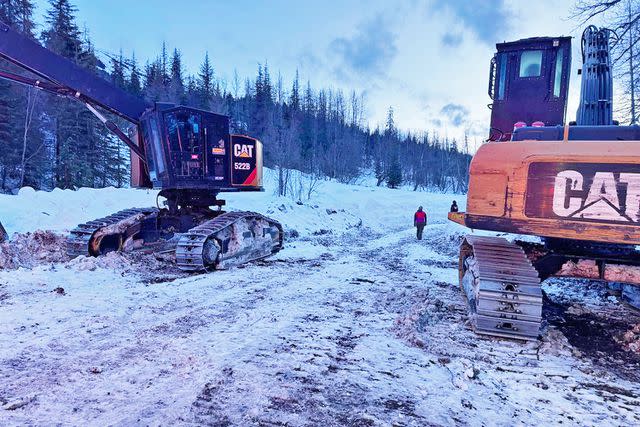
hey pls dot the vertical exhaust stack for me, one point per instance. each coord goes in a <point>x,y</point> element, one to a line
<point>596,90</point>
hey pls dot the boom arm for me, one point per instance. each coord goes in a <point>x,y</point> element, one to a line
<point>65,78</point>
<point>29,55</point>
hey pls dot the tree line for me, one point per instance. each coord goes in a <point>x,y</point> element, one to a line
<point>52,142</point>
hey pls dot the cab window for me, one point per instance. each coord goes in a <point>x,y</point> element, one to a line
<point>531,63</point>
<point>502,74</point>
<point>557,83</point>
<point>156,144</point>
<point>184,132</point>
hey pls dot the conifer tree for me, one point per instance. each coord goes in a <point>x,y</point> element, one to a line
<point>62,35</point>
<point>164,65</point>
<point>394,178</point>
<point>176,88</point>
<point>294,100</point>
<point>134,86</point>
<point>117,71</point>
<point>206,82</point>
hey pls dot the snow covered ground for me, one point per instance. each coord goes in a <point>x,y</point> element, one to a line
<point>353,323</point>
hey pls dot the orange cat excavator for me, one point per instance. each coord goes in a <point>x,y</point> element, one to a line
<point>576,186</point>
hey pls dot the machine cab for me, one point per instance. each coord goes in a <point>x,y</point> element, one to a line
<point>189,148</point>
<point>528,83</point>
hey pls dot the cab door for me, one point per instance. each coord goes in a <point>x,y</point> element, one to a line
<point>185,136</point>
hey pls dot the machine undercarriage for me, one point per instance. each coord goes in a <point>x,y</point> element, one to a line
<point>502,288</point>
<point>501,280</point>
<point>200,239</point>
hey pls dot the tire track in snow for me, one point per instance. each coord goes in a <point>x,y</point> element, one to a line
<point>370,330</point>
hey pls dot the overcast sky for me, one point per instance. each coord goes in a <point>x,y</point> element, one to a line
<point>427,59</point>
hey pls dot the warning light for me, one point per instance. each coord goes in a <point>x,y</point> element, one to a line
<point>537,124</point>
<point>194,157</point>
<point>519,125</point>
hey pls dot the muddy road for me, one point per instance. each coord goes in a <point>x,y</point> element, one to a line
<point>358,329</point>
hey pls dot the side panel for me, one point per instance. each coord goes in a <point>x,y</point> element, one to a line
<point>154,149</point>
<point>218,153</point>
<point>139,171</point>
<point>487,193</point>
<point>246,162</point>
<point>581,190</point>
<point>590,192</point>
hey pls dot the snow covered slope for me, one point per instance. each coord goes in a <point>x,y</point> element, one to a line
<point>377,207</point>
<point>354,323</point>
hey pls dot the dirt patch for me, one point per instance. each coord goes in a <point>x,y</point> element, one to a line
<point>439,264</point>
<point>31,249</point>
<point>598,337</point>
<point>148,267</point>
<point>414,325</point>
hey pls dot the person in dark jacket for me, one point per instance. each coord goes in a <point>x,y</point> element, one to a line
<point>454,207</point>
<point>419,221</point>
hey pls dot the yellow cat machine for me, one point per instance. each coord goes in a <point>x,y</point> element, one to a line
<point>576,186</point>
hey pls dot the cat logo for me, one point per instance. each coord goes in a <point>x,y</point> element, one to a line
<point>601,200</point>
<point>243,150</point>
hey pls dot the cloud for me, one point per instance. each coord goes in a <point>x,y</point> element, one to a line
<point>456,114</point>
<point>308,60</point>
<point>369,51</point>
<point>436,122</point>
<point>486,18</point>
<point>451,39</point>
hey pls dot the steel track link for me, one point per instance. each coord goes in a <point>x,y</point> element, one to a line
<point>79,238</point>
<point>190,251</point>
<point>502,288</point>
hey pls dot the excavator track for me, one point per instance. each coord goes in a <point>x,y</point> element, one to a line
<point>230,239</point>
<point>502,288</point>
<point>82,239</point>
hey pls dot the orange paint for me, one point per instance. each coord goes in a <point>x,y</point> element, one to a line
<point>570,198</point>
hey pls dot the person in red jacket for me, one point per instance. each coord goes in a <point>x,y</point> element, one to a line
<point>419,221</point>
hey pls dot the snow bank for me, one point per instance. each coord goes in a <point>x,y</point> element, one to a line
<point>334,207</point>
<point>61,210</point>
